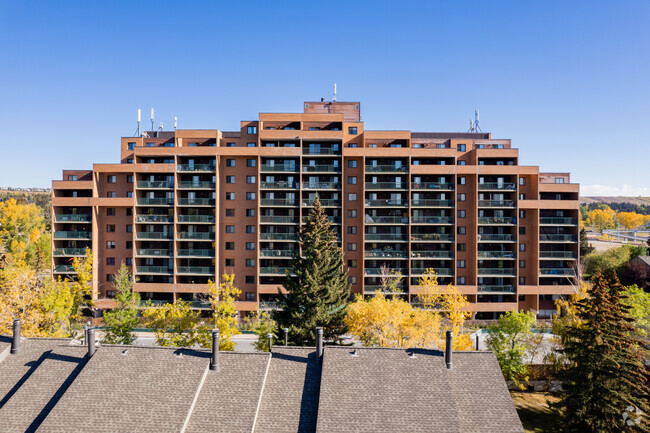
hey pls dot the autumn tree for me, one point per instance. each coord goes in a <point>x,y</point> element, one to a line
<point>508,340</point>
<point>318,292</point>
<point>638,302</point>
<point>82,285</point>
<point>602,218</point>
<point>630,220</point>
<point>222,299</point>
<point>122,320</point>
<point>176,324</point>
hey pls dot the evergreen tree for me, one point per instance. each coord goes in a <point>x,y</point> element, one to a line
<point>605,375</point>
<point>585,246</point>
<point>124,318</point>
<point>318,293</point>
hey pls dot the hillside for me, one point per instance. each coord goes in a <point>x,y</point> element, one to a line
<point>639,201</point>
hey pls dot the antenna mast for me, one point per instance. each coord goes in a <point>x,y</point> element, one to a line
<point>473,124</point>
<point>175,122</point>
<point>153,121</point>
<point>334,98</point>
<point>137,132</point>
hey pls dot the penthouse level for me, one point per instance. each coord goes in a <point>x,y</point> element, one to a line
<point>182,207</point>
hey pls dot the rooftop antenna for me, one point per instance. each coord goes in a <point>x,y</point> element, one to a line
<point>473,125</point>
<point>137,132</point>
<point>160,128</point>
<point>334,98</point>
<point>153,117</point>
<point>175,122</point>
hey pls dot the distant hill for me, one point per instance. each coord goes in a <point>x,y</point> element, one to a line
<point>639,201</point>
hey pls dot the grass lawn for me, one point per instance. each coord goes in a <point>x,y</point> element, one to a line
<point>533,410</point>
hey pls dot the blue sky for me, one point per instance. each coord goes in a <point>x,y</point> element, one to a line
<point>568,82</point>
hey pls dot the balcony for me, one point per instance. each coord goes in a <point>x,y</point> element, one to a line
<point>432,186</point>
<point>153,235</point>
<point>277,253</point>
<point>496,255</point>
<point>154,219</point>
<point>331,219</point>
<point>64,269</point>
<point>210,168</point>
<point>162,184</point>
<point>321,151</point>
<point>431,237</point>
<point>386,220</point>
<point>195,270</point>
<point>497,220</point>
<point>78,218</point>
<point>196,202</point>
<point>195,218</point>
<point>373,288</point>
<point>545,272</point>
<point>557,221</point>
<point>386,185</point>
<point>495,289</point>
<point>431,203</point>
<point>71,252</point>
<point>196,235</point>
<point>167,201</point>
<point>496,203</point>
<point>154,270</point>
<point>278,202</point>
<point>153,252</point>
<point>325,202</point>
<point>385,254</point>
<point>321,168</point>
<point>496,186</point>
<point>288,168</point>
<point>282,184</point>
<point>386,202</point>
<point>386,168</point>
<point>195,185</point>
<point>275,270</point>
<point>269,305</point>
<point>441,272</point>
<point>272,219</point>
<point>571,255</point>
<point>558,238</point>
<point>496,238</point>
<point>431,254</point>
<point>390,272</point>
<point>431,220</point>
<point>386,237</point>
<point>509,272</point>
<point>72,235</point>
<point>278,236</point>
<point>321,185</point>
<point>194,252</point>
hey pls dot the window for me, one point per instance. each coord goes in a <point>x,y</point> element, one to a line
<point>230,196</point>
<point>251,129</point>
<point>129,261</point>
<point>250,144</point>
<point>250,245</point>
<point>129,160</point>
<point>460,263</point>
<point>111,194</point>
<point>110,211</point>
<point>129,194</point>
<point>111,179</point>
<point>352,246</point>
<point>461,230</point>
<point>110,228</point>
<point>372,145</point>
<point>461,213</point>
<point>250,296</point>
<point>230,229</point>
<point>480,146</point>
<point>352,180</point>
<point>250,229</point>
<point>250,179</point>
<point>352,280</point>
<point>522,230</point>
<point>110,261</point>
<point>250,279</point>
<point>559,180</point>
<point>230,144</point>
<point>109,278</point>
<point>250,263</point>
<point>461,148</point>
<point>250,196</point>
<point>352,130</point>
<point>230,162</point>
<point>230,179</point>
<point>352,263</point>
<point>110,245</point>
<point>72,177</point>
<point>130,146</point>
<point>250,212</point>
<point>129,211</point>
<point>461,180</point>
<point>352,196</point>
<point>129,245</point>
<point>352,230</point>
<point>150,144</point>
<point>522,263</point>
<point>522,181</point>
<point>461,162</point>
<point>129,178</point>
<point>230,262</point>
<point>230,212</point>
<point>522,196</point>
<point>352,145</point>
<point>461,197</point>
<point>460,281</point>
<point>129,228</point>
<point>522,214</point>
<point>522,247</point>
<point>352,213</point>
<point>461,247</point>
<point>251,162</point>
<point>352,163</point>
<point>522,281</point>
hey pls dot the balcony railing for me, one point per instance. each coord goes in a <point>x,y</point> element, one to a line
<point>278,202</point>
<point>196,270</point>
<point>431,254</point>
<point>196,202</point>
<point>496,255</point>
<point>154,270</point>
<point>196,235</point>
<point>432,185</point>
<point>195,218</point>
<point>496,203</point>
<point>378,271</point>
<point>153,235</point>
<point>387,185</point>
<point>431,203</point>
<point>496,238</point>
<point>64,269</point>
<point>275,270</point>
<point>72,235</point>
<point>278,236</point>
<point>321,168</point>
<point>154,219</point>
<point>443,272</point>
<point>195,185</point>
<point>557,238</point>
<point>508,288</point>
<point>194,252</point>
<point>69,252</point>
<point>558,255</point>
<point>386,220</point>
<point>496,271</point>
<point>321,151</point>
<point>507,186</point>
<point>276,253</point>
<point>278,219</point>
<point>155,184</point>
<point>79,218</point>
<point>196,167</point>
<point>497,220</point>
<point>167,201</point>
<point>385,202</point>
<point>400,237</point>
<point>288,168</point>
<point>331,219</point>
<point>321,185</point>
<point>421,219</point>
<point>269,305</point>
<point>386,254</point>
<point>157,252</point>
<point>329,202</point>
<point>386,168</point>
<point>558,221</point>
<point>556,271</point>
<point>419,237</point>
<point>281,184</point>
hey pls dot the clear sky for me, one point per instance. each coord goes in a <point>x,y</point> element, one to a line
<point>567,81</point>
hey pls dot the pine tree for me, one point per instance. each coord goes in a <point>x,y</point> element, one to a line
<point>585,246</point>
<point>318,293</point>
<point>605,375</point>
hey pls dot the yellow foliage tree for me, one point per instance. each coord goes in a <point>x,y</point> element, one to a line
<point>602,218</point>
<point>20,292</point>
<point>630,220</point>
<point>222,299</point>
<point>177,325</point>
<point>566,311</point>
<point>82,287</point>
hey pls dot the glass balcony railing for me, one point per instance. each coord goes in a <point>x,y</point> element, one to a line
<point>196,167</point>
<point>372,288</point>
<point>321,151</point>
<point>497,220</point>
<point>386,220</point>
<point>321,168</point>
<point>558,254</point>
<point>386,168</point>
<point>64,269</point>
<point>419,237</point>
<point>196,202</point>
<point>558,221</point>
<point>556,271</point>
<point>431,203</point>
<point>154,219</point>
<point>400,237</point>
<point>377,271</point>
<point>287,168</point>
<point>508,186</point>
<point>194,252</point>
<point>278,202</point>
<point>431,254</point>
<point>276,253</point>
<point>167,201</point>
<point>278,219</point>
<point>275,270</point>
<point>386,202</point>
<point>329,202</point>
<point>195,185</point>
<point>558,238</point>
<point>321,185</point>
<point>386,185</point>
<point>157,252</point>
<point>195,218</point>
<point>153,235</point>
<point>195,270</point>
<point>269,305</point>
<point>281,184</point>
<point>496,255</point>
<point>496,271</point>
<point>432,185</point>
<point>386,254</point>
<point>421,219</point>
<point>72,235</point>
<point>496,203</point>
<point>508,288</point>
<point>496,238</point>
<point>154,270</point>
<point>278,236</point>
<point>155,184</point>
<point>442,272</point>
<point>79,218</point>
<point>331,219</point>
<point>78,252</point>
<point>196,235</point>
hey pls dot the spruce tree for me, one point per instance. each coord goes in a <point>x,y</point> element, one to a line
<point>585,246</point>
<point>605,374</point>
<point>318,293</point>
<point>122,320</point>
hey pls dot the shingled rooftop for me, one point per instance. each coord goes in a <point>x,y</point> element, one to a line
<point>53,385</point>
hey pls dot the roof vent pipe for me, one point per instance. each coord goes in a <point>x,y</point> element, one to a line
<point>448,349</point>
<point>286,336</point>
<point>15,341</point>
<point>270,337</point>
<point>214,360</point>
<point>90,338</point>
<point>319,341</point>
<point>477,340</point>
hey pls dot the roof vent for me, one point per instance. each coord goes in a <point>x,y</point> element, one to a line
<point>319,342</point>
<point>214,361</point>
<point>448,349</point>
<point>412,355</point>
<point>15,341</point>
<point>354,353</point>
<point>90,339</point>
<point>125,352</point>
<point>270,338</point>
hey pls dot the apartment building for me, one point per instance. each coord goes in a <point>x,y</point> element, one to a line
<point>182,207</point>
